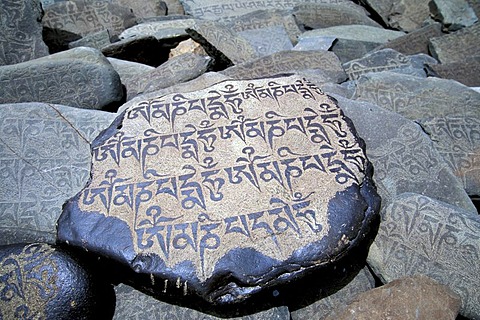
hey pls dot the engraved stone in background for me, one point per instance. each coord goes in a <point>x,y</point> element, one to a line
<point>44,160</point>
<point>161,28</point>
<point>466,71</point>
<point>223,194</point>
<point>267,41</point>
<point>456,46</point>
<point>314,43</point>
<point>144,8</point>
<point>475,4</point>
<point>416,297</point>
<point>96,40</point>
<point>80,77</point>
<point>38,281</point>
<point>454,14</point>
<point>404,157</point>
<point>289,62</point>
<point>419,235</point>
<point>128,70</point>
<point>21,31</point>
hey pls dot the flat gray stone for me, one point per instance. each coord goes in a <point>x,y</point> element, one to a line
<point>96,40</point>
<point>44,159</point>
<point>454,14</point>
<point>290,62</point>
<point>21,32</point>
<point>466,71</point>
<point>404,157</point>
<point>419,235</point>
<point>475,6</point>
<point>314,43</point>
<point>128,70</point>
<point>164,28</point>
<point>144,8</point>
<point>80,77</point>
<point>268,40</point>
<point>456,46</point>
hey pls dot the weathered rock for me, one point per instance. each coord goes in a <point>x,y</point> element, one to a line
<point>475,6</point>
<point>267,41</point>
<point>416,41</point>
<point>128,70</point>
<point>419,235</point>
<point>174,7</point>
<point>132,304</point>
<point>250,225</point>
<point>39,281</point>
<point>187,46</point>
<point>96,40</point>
<point>44,159</point>
<point>21,32</point>
<point>404,157</point>
<point>416,297</point>
<point>178,69</point>
<point>417,98</point>
<point>144,8</point>
<point>224,45</point>
<point>289,62</point>
<point>70,20</point>
<point>324,15</point>
<point>388,60</point>
<point>163,28</point>
<point>319,310</point>
<point>314,43</point>
<point>466,72</point>
<point>454,14</point>
<point>456,46</point>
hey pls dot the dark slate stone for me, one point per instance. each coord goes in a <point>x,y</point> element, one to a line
<point>233,221</point>
<point>456,46</point>
<point>466,71</point>
<point>128,70</point>
<point>161,28</point>
<point>144,8</point>
<point>96,40</point>
<point>21,31</point>
<point>289,62</point>
<point>419,235</point>
<point>454,14</point>
<point>44,160</point>
<point>314,43</point>
<point>80,77</point>
<point>268,40</point>
<point>38,281</point>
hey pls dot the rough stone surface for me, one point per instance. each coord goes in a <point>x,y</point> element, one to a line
<point>411,298</point>
<point>188,215</point>
<point>456,46</point>
<point>314,43</point>
<point>166,28</point>
<point>38,281</point>
<point>145,8</point>
<point>128,70</point>
<point>404,157</point>
<point>80,77</point>
<point>44,160</point>
<point>176,70</point>
<point>267,41</point>
<point>454,14</point>
<point>96,40</point>
<point>187,46</point>
<point>466,72</point>
<point>288,62</point>
<point>319,310</point>
<point>419,235</point>
<point>21,32</point>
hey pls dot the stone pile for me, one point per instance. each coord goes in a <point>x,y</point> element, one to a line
<point>184,159</point>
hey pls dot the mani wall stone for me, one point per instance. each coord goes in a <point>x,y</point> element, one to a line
<point>164,28</point>
<point>144,8</point>
<point>223,194</point>
<point>454,14</point>
<point>267,41</point>
<point>128,70</point>
<point>44,160</point>
<point>456,46</point>
<point>96,40</point>
<point>466,72</point>
<point>80,77</point>
<point>324,62</point>
<point>38,281</point>
<point>417,297</point>
<point>21,32</point>
<point>419,235</point>
<point>314,43</point>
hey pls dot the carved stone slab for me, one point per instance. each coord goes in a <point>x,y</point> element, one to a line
<point>167,27</point>
<point>267,41</point>
<point>21,32</point>
<point>96,40</point>
<point>419,235</point>
<point>454,14</point>
<point>38,281</point>
<point>314,43</point>
<point>223,193</point>
<point>144,8</point>
<point>467,71</point>
<point>128,70</point>
<point>44,160</point>
<point>80,77</point>
<point>456,46</point>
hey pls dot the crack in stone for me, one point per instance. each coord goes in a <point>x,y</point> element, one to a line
<point>69,123</point>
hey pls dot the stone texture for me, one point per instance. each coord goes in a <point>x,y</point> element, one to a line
<point>411,298</point>
<point>132,304</point>
<point>178,69</point>
<point>187,46</point>
<point>454,14</point>
<point>321,309</point>
<point>248,203</point>
<point>44,160</point>
<point>404,157</point>
<point>174,7</point>
<point>80,77</point>
<point>70,20</point>
<point>314,43</point>
<point>419,235</point>
<point>96,40</point>
<point>456,46</point>
<point>164,28</point>
<point>268,40</point>
<point>144,8</point>
<point>38,281</point>
<point>324,62</point>
<point>128,70</point>
<point>466,72</point>
<point>21,32</point>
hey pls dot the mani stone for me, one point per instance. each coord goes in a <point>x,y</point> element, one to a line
<point>44,160</point>
<point>456,46</point>
<point>454,14</point>
<point>96,40</point>
<point>80,77</point>
<point>267,41</point>
<point>314,43</point>
<point>128,70</point>
<point>178,69</point>
<point>133,304</point>
<point>326,63</point>
<point>21,32</point>
<point>260,184</point>
<point>419,235</point>
<point>404,157</point>
<point>70,20</point>
<point>409,298</point>
<point>164,28</point>
<point>39,281</point>
<point>466,72</point>
<point>144,8</point>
